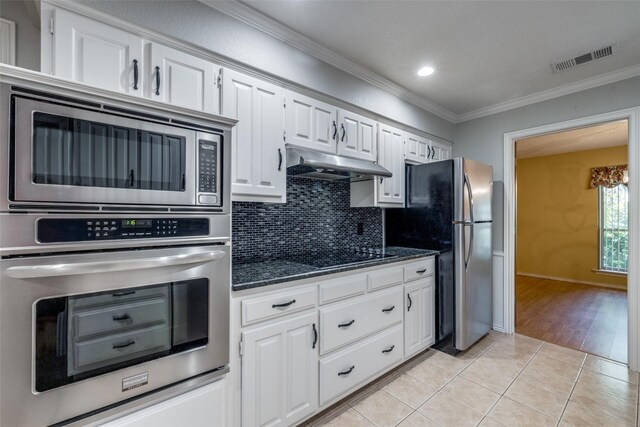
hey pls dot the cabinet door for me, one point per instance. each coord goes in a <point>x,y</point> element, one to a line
<point>356,136</point>
<point>184,80</point>
<point>417,149</point>
<point>310,123</point>
<point>412,332</point>
<point>259,169</point>
<point>391,156</point>
<point>280,372</point>
<point>428,313</point>
<point>440,151</point>
<point>204,406</point>
<point>96,54</point>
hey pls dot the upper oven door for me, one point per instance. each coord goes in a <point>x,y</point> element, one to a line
<point>68,154</point>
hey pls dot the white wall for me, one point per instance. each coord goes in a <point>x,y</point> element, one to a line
<point>482,139</point>
<point>27,35</point>
<point>196,23</point>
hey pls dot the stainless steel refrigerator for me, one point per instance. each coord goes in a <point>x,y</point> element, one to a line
<point>448,208</point>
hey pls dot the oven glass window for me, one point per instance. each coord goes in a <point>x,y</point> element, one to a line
<point>86,335</point>
<point>68,151</point>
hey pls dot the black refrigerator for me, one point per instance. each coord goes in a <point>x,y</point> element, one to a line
<point>448,209</point>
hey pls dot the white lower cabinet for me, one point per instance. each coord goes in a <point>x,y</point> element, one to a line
<point>280,372</point>
<point>344,370</point>
<point>202,407</point>
<point>419,327</point>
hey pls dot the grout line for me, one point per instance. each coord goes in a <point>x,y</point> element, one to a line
<point>570,394</point>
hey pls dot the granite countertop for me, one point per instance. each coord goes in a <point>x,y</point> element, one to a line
<point>263,273</point>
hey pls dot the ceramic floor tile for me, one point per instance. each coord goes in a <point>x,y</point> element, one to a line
<point>582,416</point>
<point>554,367</point>
<point>498,363</point>
<point>508,350</point>
<point>431,374</point>
<point>609,385</point>
<point>473,395</point>
<point>512,413</point>
<point>410,391</point>
<point>417,420</point>
<point>382,409</point>
<point>448,412</point>
<point>610,368</point>
<point>585,394</point>
<point>496,381</point>
<point>537,398</point>
<point>348,418</point>
<point>328,414</point>
<point>490,422</point>
<point>554,376</point>
<point>523,341</point>
<point>563,354</point>
<point>448,362</point>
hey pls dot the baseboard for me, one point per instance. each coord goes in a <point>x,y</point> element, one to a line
<point>498,328</point>
<point>581,282</point>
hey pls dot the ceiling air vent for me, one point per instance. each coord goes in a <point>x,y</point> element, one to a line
<point>587,57</point>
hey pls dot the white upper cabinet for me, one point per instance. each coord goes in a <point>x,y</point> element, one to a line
<point>96,54</point>
<point>356,136</point>
<point>310,123</point>
<point>391,157</point>
<point>258,153</point>
<point>181,79</point>
<point>440,151</point>
<point>417,149</point>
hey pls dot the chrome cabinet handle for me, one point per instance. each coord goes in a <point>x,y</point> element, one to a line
<point>335,130</point>
<point>344,132</point>
<point>157,80</point>
<point>284,304</point>
<point>54,270</point>
<point>387,310</point>
<point>315,336</point>
<point>119,346</point>
<point>346,325</point>
<point>280,160</point>
<point>428,152</point>
<point>135,74</point>
<point>389,350</point>
<point>347,372</point>
<point>410,302</point>
<point>121,318</point>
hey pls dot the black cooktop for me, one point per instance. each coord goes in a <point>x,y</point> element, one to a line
<point>346,257</point>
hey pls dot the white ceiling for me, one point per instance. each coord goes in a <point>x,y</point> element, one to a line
<point>605,135</point>
<point>486,52</point>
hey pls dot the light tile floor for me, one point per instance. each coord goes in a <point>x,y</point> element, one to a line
<point>504,380</point>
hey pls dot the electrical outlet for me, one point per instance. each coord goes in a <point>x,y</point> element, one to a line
<point>360,228</point>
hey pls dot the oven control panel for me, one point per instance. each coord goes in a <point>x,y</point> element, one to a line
<point>58,230</point>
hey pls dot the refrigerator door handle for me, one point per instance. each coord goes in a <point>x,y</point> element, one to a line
<point>467,184</point>
<point>468,259</point>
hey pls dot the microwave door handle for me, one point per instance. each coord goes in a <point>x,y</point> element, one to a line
<point>52,270</point>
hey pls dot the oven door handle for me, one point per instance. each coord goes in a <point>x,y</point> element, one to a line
<point>52,270</point>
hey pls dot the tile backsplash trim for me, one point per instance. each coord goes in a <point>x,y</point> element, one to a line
<point>316,218</point>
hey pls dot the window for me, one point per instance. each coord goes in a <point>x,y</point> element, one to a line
<point>614,227</point>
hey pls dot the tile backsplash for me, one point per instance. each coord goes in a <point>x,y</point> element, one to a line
<point>316,218</point>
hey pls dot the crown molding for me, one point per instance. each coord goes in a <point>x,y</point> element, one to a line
<point>275,29</point>
<point>545,95</point>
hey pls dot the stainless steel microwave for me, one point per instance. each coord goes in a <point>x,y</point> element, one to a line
<point>70,153</point>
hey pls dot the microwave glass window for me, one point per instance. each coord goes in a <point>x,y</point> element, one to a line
<point>86,335</point>
<point>69,151</point>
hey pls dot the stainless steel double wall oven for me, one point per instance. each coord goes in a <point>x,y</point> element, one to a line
<point>115,243</point>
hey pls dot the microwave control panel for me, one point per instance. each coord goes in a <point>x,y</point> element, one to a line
<point>59,230</point>
<point>208,172</point>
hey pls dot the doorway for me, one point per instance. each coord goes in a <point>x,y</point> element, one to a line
<point>506,294</point>
<point>572,238</point>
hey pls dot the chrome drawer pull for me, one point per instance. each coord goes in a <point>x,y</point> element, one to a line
<point>347,372</point>
<point>284,304</point>
<point>121,318</point>
<point>119,346</point>
<point>389,350</point>
<point>424,270</point>
<point>387,310</point>
<point>346,325</point>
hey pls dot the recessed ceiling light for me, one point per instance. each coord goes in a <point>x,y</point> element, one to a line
<point>426,71</point>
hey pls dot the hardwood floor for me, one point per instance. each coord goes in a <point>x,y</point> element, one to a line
<point>582,317</point>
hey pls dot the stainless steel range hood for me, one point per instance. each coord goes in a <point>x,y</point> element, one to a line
<point>318,165</point>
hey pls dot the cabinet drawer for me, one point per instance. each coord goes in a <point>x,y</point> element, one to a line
<point>115,348</point>
<point>344,287</point>
<point>385,278</point>
<point>347,322</point>
<point>120,296</point>
<point>113,319</point>
<point>352,366</point>
<point>416,270</point>
<point>271,306</point>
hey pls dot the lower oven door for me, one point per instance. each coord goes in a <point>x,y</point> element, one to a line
<point>81,332</point>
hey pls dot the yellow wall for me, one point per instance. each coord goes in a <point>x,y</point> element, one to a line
<point>557,215</point>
